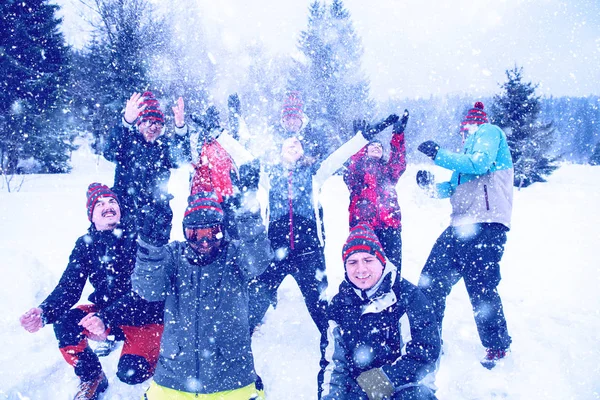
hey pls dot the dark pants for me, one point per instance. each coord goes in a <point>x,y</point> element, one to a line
<point>308,269</point>
<point>138,357</point>
<point>415,393</point>
<point>391,241</point>
<point>471,252</point>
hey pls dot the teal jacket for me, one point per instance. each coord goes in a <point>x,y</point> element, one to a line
<point>206,345</point>
<point>481,186</point>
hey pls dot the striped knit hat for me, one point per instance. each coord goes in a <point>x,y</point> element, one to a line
<point>152,111</point>
<point>475,115</point>
<point>292,105</point>
<point>203,211</point>
<point>362,239</point>
<point>94,192</point>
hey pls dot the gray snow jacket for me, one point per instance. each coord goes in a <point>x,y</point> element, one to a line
<point>205,346</point>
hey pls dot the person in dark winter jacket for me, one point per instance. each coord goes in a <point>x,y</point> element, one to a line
<point>142,154</point>
<point>372,182</point>
<point>367,355</point>
<point>105,256</point>
<point>206,346</point>
<point>481,193</point>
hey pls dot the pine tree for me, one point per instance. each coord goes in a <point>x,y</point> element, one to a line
<point>33,75</point>
<point>516,111</point>
<point>595,157</point>
<point>115,63</point>
<point>329,77</point>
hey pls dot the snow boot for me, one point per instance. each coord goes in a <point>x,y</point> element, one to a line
<point>90,390</point>
<point>492,357</point>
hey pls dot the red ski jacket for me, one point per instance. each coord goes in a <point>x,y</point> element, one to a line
<point>372,185</point>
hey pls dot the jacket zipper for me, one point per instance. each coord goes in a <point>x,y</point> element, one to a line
<point>197,327</point>
<point>290,192</point>
<point>487,200</point>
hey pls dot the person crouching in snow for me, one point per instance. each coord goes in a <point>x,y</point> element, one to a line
<point>366,356</point>
<point>481,192</point>
<point>206,346</point>
<point>105,256</point>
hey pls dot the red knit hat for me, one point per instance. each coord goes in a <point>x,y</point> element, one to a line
<point>152,111</point>
<point>362,239</point>
<point>475,115</point>
<point>203,210</point>
<point>292,105</point>
<point>94,192</point>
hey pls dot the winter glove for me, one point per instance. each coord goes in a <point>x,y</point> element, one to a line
<point>400,125</point>
<point>429,148</point>
<point>376,384</point>
<point>208,124</point>
<point>157,222</point>
<point>369,132</point>
<point>249,176</point>
<point>425,179</point>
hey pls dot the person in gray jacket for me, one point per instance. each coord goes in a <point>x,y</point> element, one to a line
<point>206,346</point>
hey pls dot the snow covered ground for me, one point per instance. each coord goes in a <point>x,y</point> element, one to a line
<point>549,289</point>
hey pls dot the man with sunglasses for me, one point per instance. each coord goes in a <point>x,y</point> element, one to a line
<point>206,346</point>
<point>143,156</point>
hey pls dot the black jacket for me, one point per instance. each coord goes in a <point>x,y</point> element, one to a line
<point>365,332</point>
<point>107,259</point>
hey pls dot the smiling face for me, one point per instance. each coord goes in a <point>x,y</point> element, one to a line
<point>151,130</point>
<point>375,150</point>
<point>106,214</point>
<point>291,150</point>
<point>364,270</point>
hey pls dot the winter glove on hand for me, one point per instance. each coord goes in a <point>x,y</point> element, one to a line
<point>429,148</point>
<point>370,133</point>
<point>157,222</point>
<point>376,384</point>
<point>425,179</point>
<point>360,125</point>
<point>400,125</point>
<point>249,176</point>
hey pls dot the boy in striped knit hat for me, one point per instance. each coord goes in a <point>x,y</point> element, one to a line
<point>367,354</point>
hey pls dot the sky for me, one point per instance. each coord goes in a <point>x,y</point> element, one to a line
<point>415,48</point>
<point>549,288</point>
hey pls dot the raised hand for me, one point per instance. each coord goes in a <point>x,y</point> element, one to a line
<point>32,321</point>
<point>400,125</point>
<point>429,148</point>
<point>360,125</point>
<point>133,107</point>
<point>178,113</point>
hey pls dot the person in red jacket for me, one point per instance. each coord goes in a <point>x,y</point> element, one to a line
<point>372,181</point>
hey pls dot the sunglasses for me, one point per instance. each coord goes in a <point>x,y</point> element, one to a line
<point>210,235</point>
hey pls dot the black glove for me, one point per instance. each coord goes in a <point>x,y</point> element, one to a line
<point>208,120</point>
<point>429,148</point>
<point>249,175</point>
<point>424,179</point>
<point>400,126</point>
<point>376,384</point>
<point>372,131</point>
<point>360,125</point>
<point>157,222</point>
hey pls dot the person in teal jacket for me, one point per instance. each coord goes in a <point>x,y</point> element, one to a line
<point>481,193</point>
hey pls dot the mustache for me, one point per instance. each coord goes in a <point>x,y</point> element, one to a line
<point>106,211</point>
